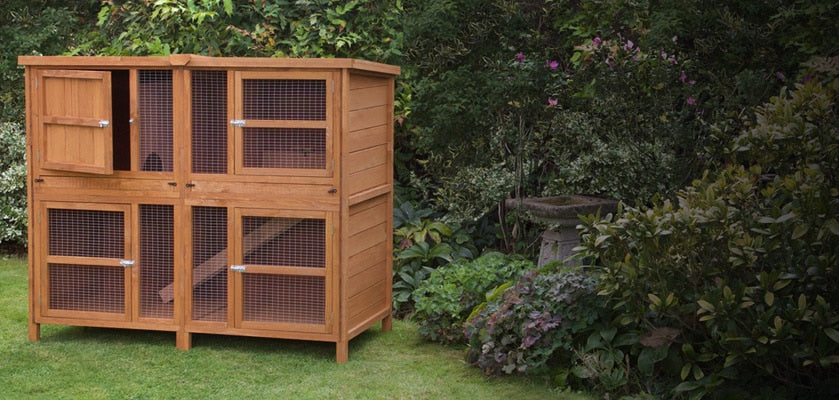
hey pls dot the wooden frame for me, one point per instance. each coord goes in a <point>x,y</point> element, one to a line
<point>85,130</point>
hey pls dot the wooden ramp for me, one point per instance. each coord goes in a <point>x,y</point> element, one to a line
<point>217,263</point>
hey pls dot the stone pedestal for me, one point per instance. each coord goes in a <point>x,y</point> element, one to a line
<point>559,245</point>
<point>563,212</point>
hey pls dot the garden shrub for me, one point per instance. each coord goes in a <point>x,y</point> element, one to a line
<point>420,245</point>
<point>737,278</point>
<point>13,217</point>
<point>445,299</point>
<point>537,319</point>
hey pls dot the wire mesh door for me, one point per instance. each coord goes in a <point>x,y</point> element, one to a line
<point>281,279</point>
<point>282,123</point>
<point>87,261</point>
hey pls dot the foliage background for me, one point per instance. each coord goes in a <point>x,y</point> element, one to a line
<point>598,103</point>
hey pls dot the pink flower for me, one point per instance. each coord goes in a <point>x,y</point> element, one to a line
<point>553,65</point>
<point>690,100</point>
<point>552,102</point>
<point>597,41</point>
<point>629,45</point>
<point>520,58</point>
<point>683,77</point>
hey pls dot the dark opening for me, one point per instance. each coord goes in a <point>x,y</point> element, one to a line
<point>120,115</point>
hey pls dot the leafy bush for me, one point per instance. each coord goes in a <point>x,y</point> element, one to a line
<point>34,27</point>
<point>315,28</point>
<point>741,269</point>
<point>421,245</point>
<point>445,299</point>
<point>538,319</point>
<point>13,215</point>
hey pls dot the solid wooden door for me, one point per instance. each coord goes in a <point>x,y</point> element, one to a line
<point>75,121</point>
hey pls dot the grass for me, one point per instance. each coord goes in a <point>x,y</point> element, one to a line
<point>93,363</point>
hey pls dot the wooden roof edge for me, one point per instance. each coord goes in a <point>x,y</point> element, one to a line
<point>192,60</point>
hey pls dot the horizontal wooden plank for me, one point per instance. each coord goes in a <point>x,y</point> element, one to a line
<point>369,203</point>
<point>368,194</point>
<point>284,270</point>
<point>366,159</point>
<point>285,124</point>
<point>196,61</point>
<point>369,117</point>
<point>361,259</point>
<point>359,324</point>
<point>366,138</point>
<point>76,320</point>
<point>369,238</point>
<point>368,97</point>
<point>220,329</point>
<point>370,298</point>
<point>368,218</point>
<point>368,179</point>
<point>367,278</point>
<point>358,81</point>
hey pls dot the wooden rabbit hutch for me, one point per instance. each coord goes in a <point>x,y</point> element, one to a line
<point>236,196</point>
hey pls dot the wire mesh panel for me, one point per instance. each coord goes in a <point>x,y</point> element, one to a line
<point>157,259</point>
<point>292,242</point>
<point>86,233</point>
<point>209,263</point>
<point>155,91</point>
<point>284,99</point>
<point>92,234</point>
<point>209,122</point>
<point>283,298</point>
<point>87,288</point>
<point>284,148</point>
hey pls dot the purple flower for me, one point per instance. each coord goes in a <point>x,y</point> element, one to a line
<point>780,75</point>
<point>552,102</point>
<point>683,77</point>
<point>520,58</point>
<point>675,39</point>
<point>553,65</point>
<point>597,41</point>
<point>690,100</point>
<point>629,45</point>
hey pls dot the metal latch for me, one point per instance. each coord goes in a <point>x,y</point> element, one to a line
<point>237,268</point>
<point>104,123</point>
<point>126,263</point>
<point>237,122</point>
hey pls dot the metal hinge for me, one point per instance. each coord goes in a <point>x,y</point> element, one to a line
<point>104,123</point>
<point>126,263</point>
<point>237,122</point>
<point>237,268</point>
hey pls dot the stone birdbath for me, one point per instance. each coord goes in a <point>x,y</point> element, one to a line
<point>561,212</point>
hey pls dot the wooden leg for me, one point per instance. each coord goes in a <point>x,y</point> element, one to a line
<point>387,323</point>
<point>34,331</point>
<point>183,340</point>
<point>342,352</point>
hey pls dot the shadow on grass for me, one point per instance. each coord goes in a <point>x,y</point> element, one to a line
<point>244,344</point>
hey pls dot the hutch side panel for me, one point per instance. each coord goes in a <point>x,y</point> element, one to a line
<point>369,175</point>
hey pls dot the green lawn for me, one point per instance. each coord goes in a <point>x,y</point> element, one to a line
<point>93,363</point>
